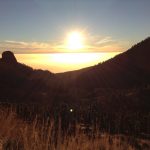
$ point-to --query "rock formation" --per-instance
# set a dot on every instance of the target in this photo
(9, 57)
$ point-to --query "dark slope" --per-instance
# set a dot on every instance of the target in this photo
(121, 84)
(114, 94)
(129, 69)
(20, 83)
(121, 79)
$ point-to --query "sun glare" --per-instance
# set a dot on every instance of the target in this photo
(61, 62)
(75, 41)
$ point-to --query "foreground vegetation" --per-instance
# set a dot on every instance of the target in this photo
(17, 134)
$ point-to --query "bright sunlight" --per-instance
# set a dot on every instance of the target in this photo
(61, 62)
(75, 41)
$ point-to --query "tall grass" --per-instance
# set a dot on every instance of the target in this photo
(16, 134)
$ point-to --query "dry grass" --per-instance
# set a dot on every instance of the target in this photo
(18, 135)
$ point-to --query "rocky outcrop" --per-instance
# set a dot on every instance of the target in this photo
(8, 57)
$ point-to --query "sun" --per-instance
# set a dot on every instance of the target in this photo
(75, 41)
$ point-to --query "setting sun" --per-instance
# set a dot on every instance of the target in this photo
(75, 41)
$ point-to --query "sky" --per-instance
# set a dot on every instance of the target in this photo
(64, 35)
(41, 26)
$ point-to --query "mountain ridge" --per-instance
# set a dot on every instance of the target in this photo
(125, 63)
(128, 70)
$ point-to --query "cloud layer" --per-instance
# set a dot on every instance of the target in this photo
(92, 44)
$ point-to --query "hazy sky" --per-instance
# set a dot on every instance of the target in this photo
(28, 26)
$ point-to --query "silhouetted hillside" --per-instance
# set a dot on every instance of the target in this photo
(129, 69)
(122, 82)
(20, 83)
(119, 82)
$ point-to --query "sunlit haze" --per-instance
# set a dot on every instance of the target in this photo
(61, 62)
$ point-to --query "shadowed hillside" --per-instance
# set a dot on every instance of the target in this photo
(120, 75)
(113, 95)
(20, 83)
(126, 70)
